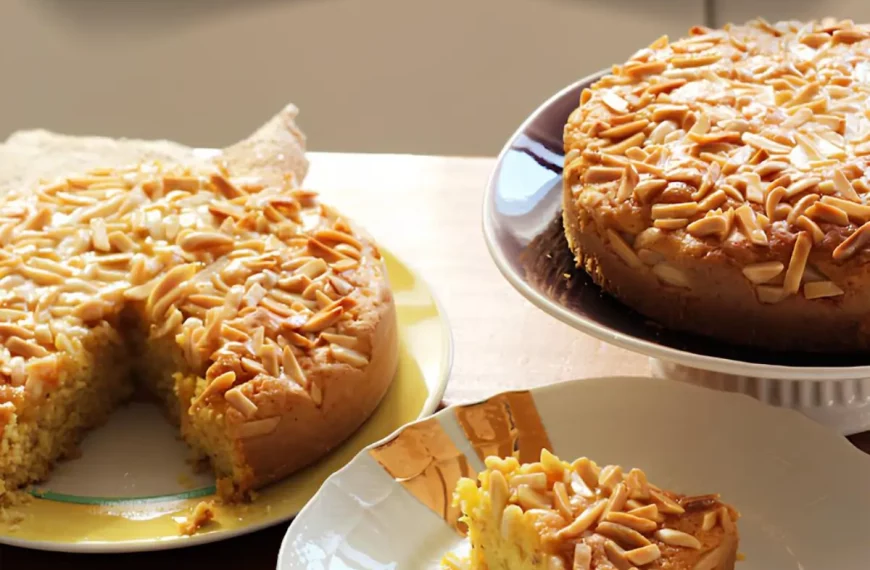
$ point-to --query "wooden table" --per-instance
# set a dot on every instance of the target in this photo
(427, 211)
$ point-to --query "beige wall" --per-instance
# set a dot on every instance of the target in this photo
(419, 76)
(742, 10)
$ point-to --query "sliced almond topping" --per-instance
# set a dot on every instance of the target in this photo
(644, 555)
(858, 212)
(673, 537)
(616, 556)
(623, 250)
(599, 174)
(348, 356)
(622, 535)
(709, 225)
(528, 498)
(240, 402)
(582, 557)
(765, 144)
(583, 522)
(810, 227)
(292, 369)
(821, 289)
(639, 524)
(853, 243)
(614, 101)
(561, 500)
(322, 320)
(797, 263)
(682, 210)
(748, 224)
(650, 512)
(763, 272)
(709, 521)
(628, 183)
(665, 504)
(258, 428)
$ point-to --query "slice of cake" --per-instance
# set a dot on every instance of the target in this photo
(555, 515)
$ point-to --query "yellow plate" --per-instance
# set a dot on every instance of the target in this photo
(151, 493)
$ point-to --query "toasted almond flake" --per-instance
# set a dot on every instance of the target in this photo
(799, 186)
(650, 512)
(238, 400)
(218, 385)
(609, 477)
(811, 227)
(673, 537)
(671, 223)
(561, 500)
(583, 522)
(709, 225)
(528, 498)
(640, 524)
(748, 224)
(821, 289)
(258, 428)
(313, 269)
(622, 535)
(644, 555)
(623, 250)
(616, 555)
(340, 339)
(765, 144)
(681, 210)
(348, 356)
(825, 212)
(665, 504)
(599, 174)
(709, 521)
(205, 241)
(292, 369)
(624, 130)
(20, 347)
(582, 557)
(614, 101)
(763, 272)
(858, 212)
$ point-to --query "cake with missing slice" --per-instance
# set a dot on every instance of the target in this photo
(261, 319)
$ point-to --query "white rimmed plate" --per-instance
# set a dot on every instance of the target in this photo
(803, 490)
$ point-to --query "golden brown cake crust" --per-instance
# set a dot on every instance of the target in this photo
(717, 184)
(273, 311)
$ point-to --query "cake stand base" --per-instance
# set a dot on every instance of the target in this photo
(843, 405)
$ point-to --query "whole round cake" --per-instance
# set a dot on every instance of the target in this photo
(718, 184)
(261, 318)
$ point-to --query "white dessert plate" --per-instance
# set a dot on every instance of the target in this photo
(802, 489)
(522, 229)
(132, 485)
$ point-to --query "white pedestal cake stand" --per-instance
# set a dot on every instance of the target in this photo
(521, 226)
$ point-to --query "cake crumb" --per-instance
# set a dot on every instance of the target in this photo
(203, 513)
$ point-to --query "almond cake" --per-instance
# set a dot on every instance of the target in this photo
(552, 515)
(718, 184)
(259, 317)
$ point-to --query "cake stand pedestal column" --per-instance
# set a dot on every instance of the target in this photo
(843, 405)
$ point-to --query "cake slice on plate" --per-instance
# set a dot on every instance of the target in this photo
(554, 515)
